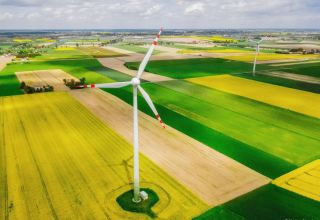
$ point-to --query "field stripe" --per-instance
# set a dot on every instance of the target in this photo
(304, 180)
(3, 168)
(295, 100)
(79, 161)
(181, 156)
(54, 214)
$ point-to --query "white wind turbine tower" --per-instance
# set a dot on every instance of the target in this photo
(256, 55)
(135, 82)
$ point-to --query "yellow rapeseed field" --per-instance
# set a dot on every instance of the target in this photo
(304, 180)
(216, 38)
(296, 100)
(65, 48)
(186, 51)
(270, 56)
(22, 40)
(58, 161)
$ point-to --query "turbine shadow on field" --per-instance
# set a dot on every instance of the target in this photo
(126, 166)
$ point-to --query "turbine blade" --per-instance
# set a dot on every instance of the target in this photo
(148, 55)
(151, 105)
(105, 85)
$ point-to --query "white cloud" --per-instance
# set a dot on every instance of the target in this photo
(156, 13)
(151, 11)
(6, 15)
(195, 8)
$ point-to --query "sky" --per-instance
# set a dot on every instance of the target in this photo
(170, 14)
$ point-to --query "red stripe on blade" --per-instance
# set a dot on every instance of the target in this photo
(155, 43)
(85, 86)
(92, 85)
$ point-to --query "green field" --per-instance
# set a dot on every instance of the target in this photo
(309, 87)
(98, 52)
(254, 116)
(311, 69)
(134, 48)
(268, 202)
(76, 53)
(270, 140)
(196, 48)
(52, 54)
(239, 117)
(189, 68)
(78, 68)
(225, 122)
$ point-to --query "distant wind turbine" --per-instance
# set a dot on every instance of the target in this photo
(256, 55)
(135, 82)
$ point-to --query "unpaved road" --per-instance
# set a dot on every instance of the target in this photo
(213, 177)
(293, 76)
(117, 64)
(4, 60)
(296, 63)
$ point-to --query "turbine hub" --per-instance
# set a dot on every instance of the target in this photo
(135, 81)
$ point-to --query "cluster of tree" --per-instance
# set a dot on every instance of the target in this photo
(166, 43)
(72, 84)
(24, 50)
(303, 51)
(282, 52)
(296, 50)
(29, 89)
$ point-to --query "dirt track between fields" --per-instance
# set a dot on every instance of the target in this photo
(4, 60)
(212, 176)
(41, 78)
(282, 61)
(296, 63)
(117, 64)
(293, 76)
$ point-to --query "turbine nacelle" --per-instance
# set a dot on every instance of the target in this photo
(135, 81)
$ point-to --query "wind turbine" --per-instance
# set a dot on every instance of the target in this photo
(135, 82)
(256, 55)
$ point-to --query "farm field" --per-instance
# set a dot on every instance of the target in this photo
(118, 65)
(180, 156)
(189, 68)
(257, 205)
(214, 38)
(304, 180)
(77, 68)
(309, 69)
(77, 169)
(240, 133)
(267, 57)
(61, 53)
(76, 53)
(236, 123)
(42, 78)
(22, 40)
(98, 52)
(216, 51)
(292, 99)
(261, 77)
(134, 48)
